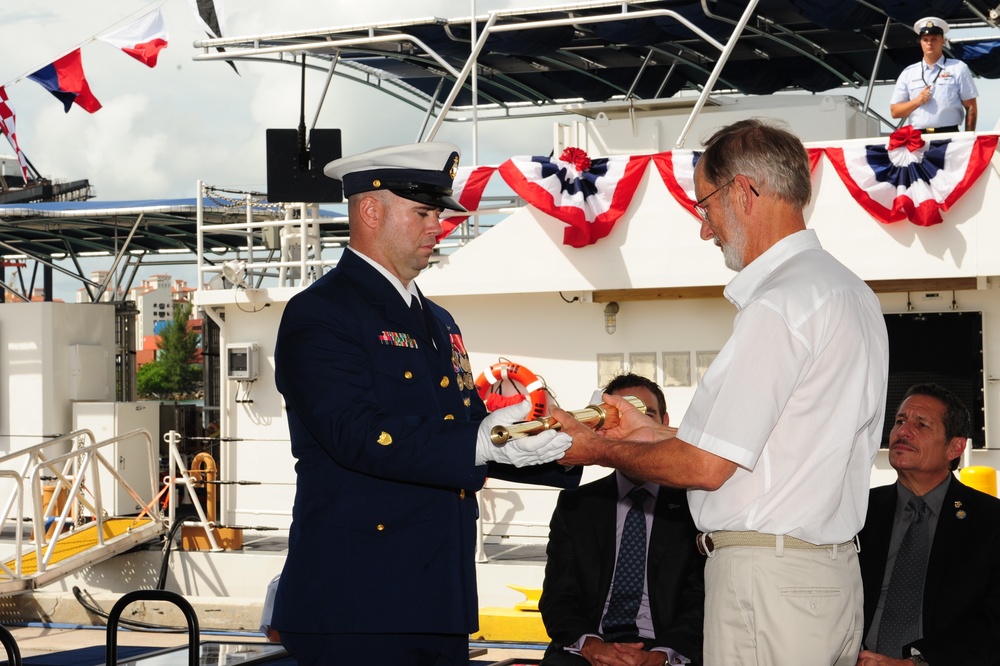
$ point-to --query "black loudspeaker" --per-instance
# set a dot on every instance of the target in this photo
(291, 177)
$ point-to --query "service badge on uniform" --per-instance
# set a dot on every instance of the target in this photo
(460, 363)
(395, 339)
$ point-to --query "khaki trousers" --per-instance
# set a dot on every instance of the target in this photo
(796, 608)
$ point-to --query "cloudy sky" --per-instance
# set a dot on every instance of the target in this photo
(161, 130)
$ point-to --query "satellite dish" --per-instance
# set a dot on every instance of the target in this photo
(235, 272)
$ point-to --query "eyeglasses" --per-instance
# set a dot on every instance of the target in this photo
(703, 210)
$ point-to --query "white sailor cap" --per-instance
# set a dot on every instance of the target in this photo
(930, 25)
(422, 172)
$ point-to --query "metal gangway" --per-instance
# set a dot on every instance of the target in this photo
(72, 529)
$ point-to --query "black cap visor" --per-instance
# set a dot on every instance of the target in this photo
(439, 197)
(430, 187)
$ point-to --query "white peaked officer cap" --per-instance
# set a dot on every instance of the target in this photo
(422, 172)
(930, 25)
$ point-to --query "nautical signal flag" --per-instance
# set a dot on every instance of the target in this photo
(210, 13)
(7, 127)
(142, 39)
(64, 78)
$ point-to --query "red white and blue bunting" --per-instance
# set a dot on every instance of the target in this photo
(908, 178)
(467, 189)
(588, 195)
(911, 178)
(676, 168)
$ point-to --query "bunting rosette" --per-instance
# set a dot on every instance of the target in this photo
(588, 194)
(911, 178)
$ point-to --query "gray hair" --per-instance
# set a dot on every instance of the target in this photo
(769, 155)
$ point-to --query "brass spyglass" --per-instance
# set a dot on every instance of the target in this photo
(594, 416)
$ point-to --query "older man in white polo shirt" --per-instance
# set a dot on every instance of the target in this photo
(777, 444)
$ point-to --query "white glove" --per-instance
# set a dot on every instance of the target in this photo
(547, 446)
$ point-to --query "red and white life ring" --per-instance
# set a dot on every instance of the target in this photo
(489, 384)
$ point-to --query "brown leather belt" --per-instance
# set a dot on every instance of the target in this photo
(709, 542)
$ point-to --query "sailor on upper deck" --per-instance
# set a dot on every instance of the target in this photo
(937, 92)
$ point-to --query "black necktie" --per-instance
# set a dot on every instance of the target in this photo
(630, 569)
(900, 623)
(418, 316)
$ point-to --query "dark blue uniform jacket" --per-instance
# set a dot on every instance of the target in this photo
(383, 427)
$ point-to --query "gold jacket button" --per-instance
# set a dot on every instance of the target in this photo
(461, 494)
(380, 527)
(445, 382)
(408, 375)
(449, 417)
(385, 439)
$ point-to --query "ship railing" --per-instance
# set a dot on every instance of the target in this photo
(294, 244)
(282, 244)
(76, 500)
(178, 474)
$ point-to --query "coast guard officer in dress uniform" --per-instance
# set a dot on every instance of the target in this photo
(937, 92)
(390, 437)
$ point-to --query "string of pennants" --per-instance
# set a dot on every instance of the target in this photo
(142, 39)
(907, 178)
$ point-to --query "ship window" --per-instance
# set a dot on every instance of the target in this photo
(943, 348)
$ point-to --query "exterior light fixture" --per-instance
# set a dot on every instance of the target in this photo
(611, 317)
(235, 272)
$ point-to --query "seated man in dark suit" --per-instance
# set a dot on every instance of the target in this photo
(929, 546)
(657, 620)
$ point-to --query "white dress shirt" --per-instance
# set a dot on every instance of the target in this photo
(795, 398)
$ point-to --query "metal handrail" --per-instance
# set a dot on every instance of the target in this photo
(177, 467)
(10, 646)
(76, 470)
(111, 646)
(259, 258)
